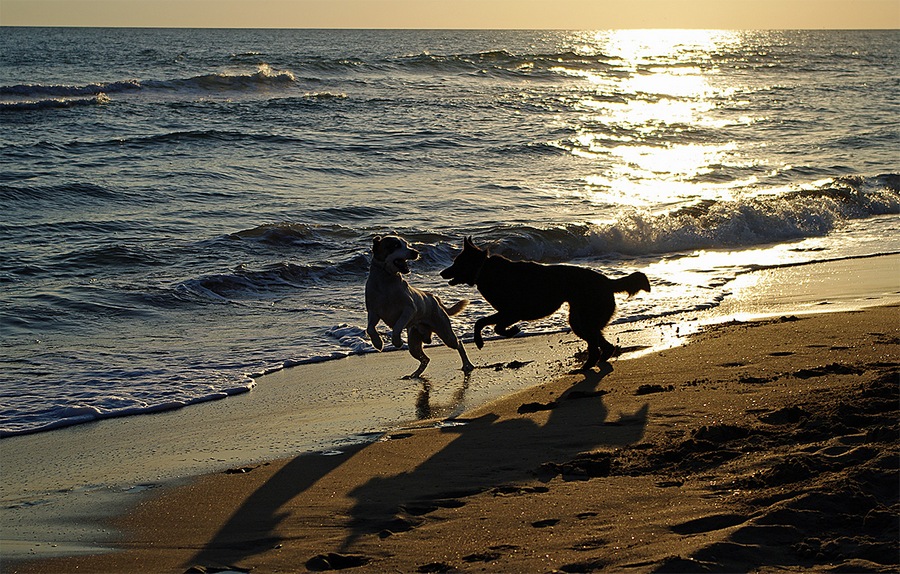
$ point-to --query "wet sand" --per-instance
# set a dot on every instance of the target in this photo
(765, 445)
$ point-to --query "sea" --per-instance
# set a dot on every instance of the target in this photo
(185, 210)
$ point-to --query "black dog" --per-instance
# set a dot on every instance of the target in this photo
(524, 290)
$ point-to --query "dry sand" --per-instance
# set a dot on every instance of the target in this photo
(766, 446)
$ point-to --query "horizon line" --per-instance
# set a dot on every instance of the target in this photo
(450, 29)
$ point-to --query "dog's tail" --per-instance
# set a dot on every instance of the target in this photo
(631, 284)
(457, 308)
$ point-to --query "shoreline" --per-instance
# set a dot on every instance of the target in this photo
(745, 305)
(188, 443)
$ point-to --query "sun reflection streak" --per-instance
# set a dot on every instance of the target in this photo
(649, 175)
(642, 114)
(642, 46)
(684, 160)
(698, 267)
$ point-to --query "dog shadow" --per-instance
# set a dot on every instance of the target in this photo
(491, 452)
(488, 452)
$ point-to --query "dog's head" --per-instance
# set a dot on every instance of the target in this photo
(467, 265)
(393, 253)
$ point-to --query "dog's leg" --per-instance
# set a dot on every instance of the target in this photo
(584, 325)
(467, 366)
(607, 348)
(397, 331)
(481, 324)
(373, 333)
(416, 350)
(599, 351)
(592, 359)
(503, 326)
(445, 331)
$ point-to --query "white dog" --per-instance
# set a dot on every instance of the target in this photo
(391, 299)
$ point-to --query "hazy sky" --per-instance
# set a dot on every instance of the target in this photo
(527, 14)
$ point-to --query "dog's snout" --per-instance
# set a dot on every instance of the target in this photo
(414, 254)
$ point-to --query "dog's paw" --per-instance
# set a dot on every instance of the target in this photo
(507, 331)
(610, 352)
(397, 342)
(375, 337)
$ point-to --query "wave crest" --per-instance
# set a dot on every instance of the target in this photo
(506, 63)
(264, 77)
(296, 234)
(244, 283)
(53, 103)
(709, 224)
(63, 91)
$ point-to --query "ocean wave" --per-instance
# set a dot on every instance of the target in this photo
(506, 63)
(332, 236)
(66, 193)
(708, 224)
(70, 305)
(211, 135)
(54, 103)
(300, 234)
(64, 91)
(333, 254)
(264, 77)
(246, 284)
(61, 416)
(116, 256)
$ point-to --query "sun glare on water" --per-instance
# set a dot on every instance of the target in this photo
(658, 85)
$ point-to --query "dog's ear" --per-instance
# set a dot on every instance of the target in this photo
(469, 245)
(375, 241)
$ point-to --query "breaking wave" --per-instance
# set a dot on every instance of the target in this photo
(708, 224)
(52, 103)
(264, 78)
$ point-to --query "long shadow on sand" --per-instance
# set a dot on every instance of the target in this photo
(487, 453)
(253, 529)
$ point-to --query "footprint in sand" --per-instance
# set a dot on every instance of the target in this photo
(482, 557)
(335, 561)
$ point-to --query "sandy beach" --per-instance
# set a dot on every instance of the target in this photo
(765, 442)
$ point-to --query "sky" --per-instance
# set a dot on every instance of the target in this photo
(462, 14)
